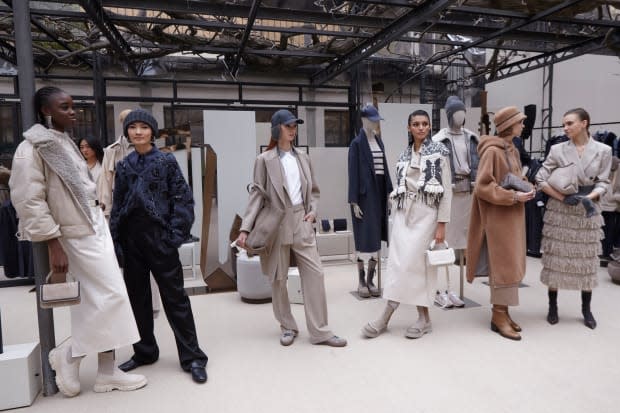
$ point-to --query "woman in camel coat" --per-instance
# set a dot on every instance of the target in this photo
(496, 239)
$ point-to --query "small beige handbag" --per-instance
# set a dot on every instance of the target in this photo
(59, 294)
(564, 179)
(439, 257)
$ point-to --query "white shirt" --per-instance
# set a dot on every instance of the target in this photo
(291, 174)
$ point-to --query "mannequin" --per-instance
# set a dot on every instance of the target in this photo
(462, 144)
(369, 186)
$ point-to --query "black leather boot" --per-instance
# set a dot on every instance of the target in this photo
(588, 318)
(552, 316)
(374, 291)
(362, 288)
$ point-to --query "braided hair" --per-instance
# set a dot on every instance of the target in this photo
(42, 98)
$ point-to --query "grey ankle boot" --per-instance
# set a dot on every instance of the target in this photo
(374, 291)
(362, 288)
(375, 328)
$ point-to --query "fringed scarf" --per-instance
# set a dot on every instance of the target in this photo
(429, 186)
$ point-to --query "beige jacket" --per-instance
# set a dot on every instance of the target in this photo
(592, 168)
(611, 201)
(269, 174)
(112, 155)
(46, 190)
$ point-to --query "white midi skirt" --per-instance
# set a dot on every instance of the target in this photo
(407, 279)
(103, 320)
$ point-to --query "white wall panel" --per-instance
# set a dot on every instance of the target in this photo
(230, 134)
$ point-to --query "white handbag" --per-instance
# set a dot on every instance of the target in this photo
(439, 257)
(59, 294)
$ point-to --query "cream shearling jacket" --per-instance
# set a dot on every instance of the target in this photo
(46, 190)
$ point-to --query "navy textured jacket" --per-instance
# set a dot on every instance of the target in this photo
(152, 184)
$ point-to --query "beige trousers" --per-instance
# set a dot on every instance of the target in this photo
(303, 244)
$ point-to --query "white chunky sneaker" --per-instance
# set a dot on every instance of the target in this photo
(110, 377)
(67, 368)
(442, 300)
(455, 300)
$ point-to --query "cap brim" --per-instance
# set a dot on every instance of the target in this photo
(375, 118)
(297, 121)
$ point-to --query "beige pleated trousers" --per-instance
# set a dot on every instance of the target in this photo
(297, 236)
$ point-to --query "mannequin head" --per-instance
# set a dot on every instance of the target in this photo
(370, 119)
(455, 112)
(370, 126)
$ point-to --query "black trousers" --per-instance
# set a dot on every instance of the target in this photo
(144, 251)
(611, 230)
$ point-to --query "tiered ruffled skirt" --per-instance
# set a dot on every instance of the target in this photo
(571, 244)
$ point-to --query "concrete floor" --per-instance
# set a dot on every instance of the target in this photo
(460, 367)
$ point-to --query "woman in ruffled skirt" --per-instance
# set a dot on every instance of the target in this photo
(572, 230)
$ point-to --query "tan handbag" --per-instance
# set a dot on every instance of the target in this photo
(59, 294)
(440, 257)
(564, 179)
(266, 225)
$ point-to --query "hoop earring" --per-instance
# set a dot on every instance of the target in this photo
(48, 121)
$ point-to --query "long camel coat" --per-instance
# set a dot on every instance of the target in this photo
(497, 216)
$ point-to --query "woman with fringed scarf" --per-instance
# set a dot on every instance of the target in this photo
(421, 209)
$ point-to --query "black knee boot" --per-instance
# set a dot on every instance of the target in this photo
(362, 288)
(588, 318)
(374, 291)
(552, 316)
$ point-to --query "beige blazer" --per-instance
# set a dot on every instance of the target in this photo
(112, 155)
(593, 168)
(269, 174)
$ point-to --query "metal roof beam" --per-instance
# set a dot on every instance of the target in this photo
(552, 10)
(557, 56)
(246, 35)
(231, 10)
(96, 12)
(393, 31)
(481, 11)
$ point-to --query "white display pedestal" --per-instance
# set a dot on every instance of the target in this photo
(295, 294)
(20, 375)
(253, 286)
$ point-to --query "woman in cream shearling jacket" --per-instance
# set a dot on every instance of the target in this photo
(55, 199)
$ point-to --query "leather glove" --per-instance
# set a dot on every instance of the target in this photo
(357, 211)
(589, 206)
(572, 199)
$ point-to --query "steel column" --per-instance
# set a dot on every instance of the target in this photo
(25, 65)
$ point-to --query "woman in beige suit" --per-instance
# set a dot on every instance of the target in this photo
(287, 177)
(572, 233)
